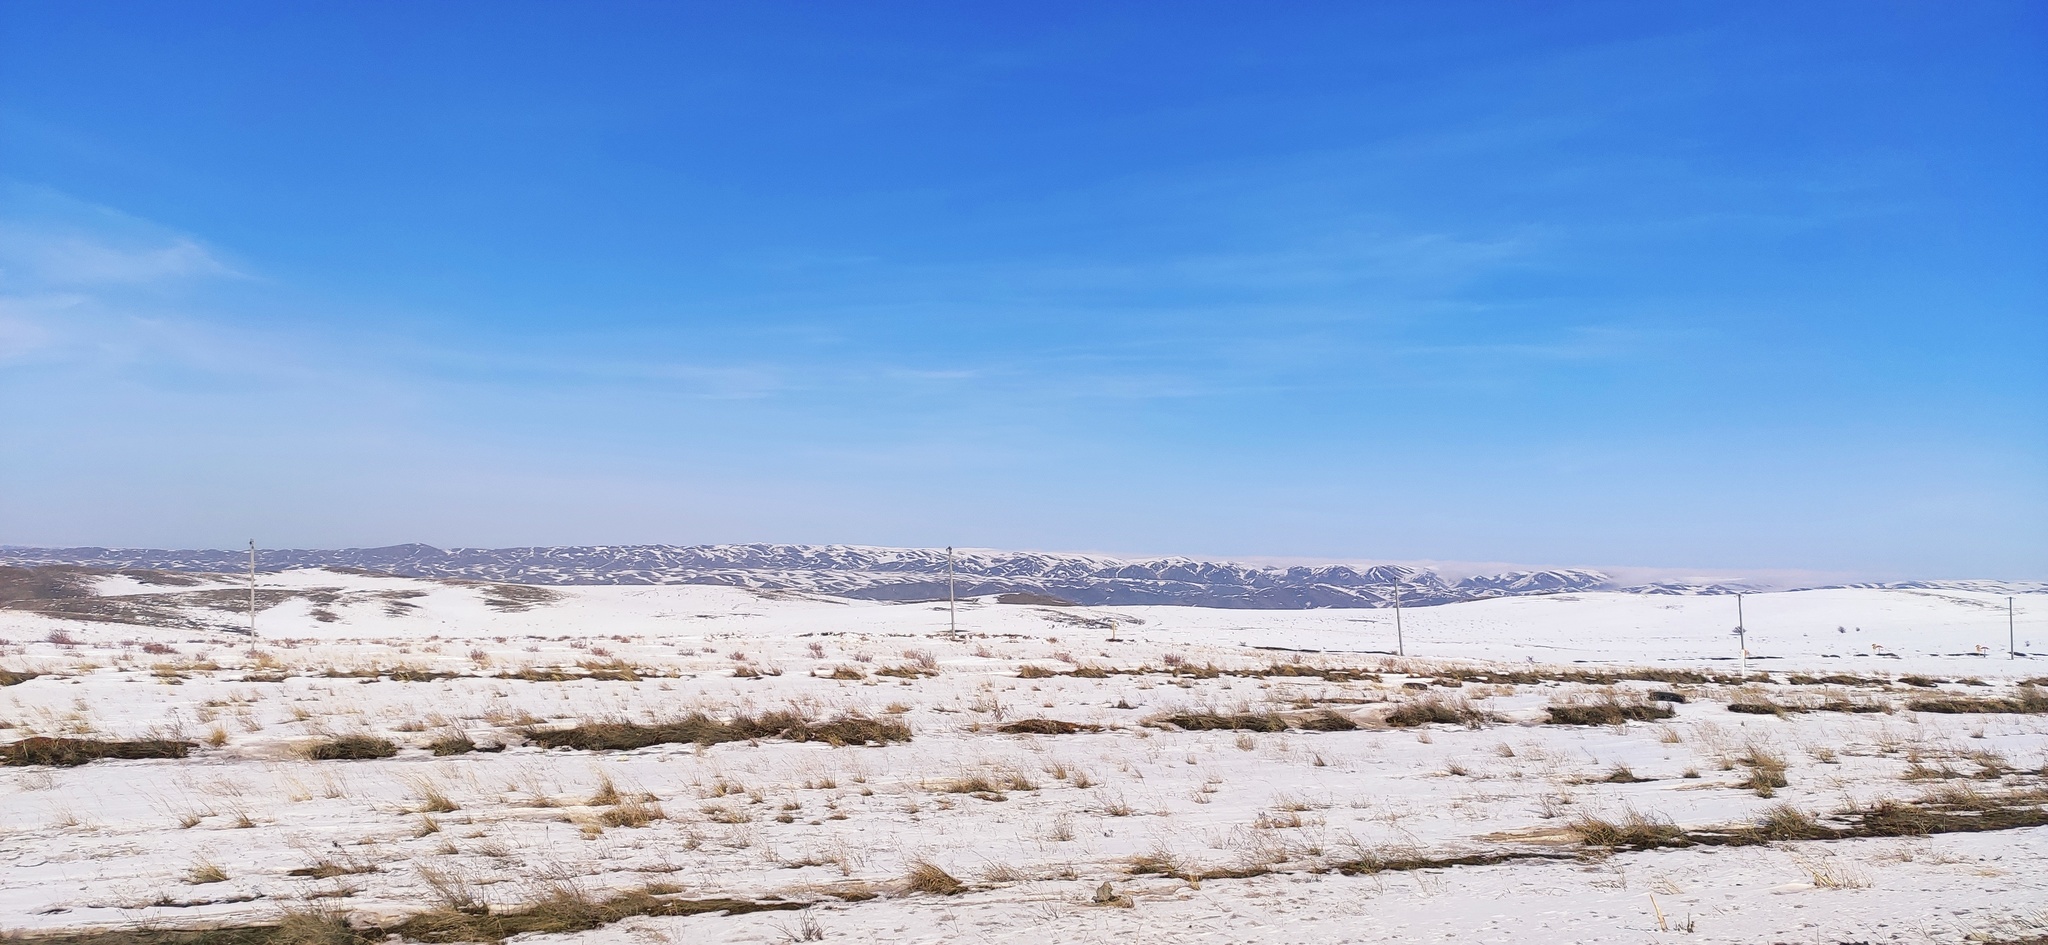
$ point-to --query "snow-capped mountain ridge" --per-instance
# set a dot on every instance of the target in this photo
(907, 573)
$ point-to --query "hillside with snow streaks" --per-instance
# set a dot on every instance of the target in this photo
(904, 574)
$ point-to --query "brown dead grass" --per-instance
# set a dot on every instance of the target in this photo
(71, 752)
(701, 729)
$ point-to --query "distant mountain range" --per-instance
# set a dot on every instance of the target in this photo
(905, 574)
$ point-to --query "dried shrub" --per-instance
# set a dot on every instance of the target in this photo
(1034, 671)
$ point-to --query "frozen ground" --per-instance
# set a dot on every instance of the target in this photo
(1221, 835)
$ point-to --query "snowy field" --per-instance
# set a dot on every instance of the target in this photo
(1222, 776)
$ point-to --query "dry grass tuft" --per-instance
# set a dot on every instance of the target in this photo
(1785, 822)
(1437, 710)
(205, 872)
(1634, 831)
(924, 876)
(1766, 771)
(633, 811)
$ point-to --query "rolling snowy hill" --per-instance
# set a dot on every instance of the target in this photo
(905, 574)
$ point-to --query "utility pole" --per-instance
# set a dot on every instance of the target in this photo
(952, 603)
(1400, 647)
(1741, 637)
(2012, 650)
(252, 587)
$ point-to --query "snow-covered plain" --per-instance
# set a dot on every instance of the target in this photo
(120, 844)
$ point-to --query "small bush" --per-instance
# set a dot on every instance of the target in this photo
(1034, 671)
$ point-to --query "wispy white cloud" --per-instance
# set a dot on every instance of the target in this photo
(58, 259)
(49, 241)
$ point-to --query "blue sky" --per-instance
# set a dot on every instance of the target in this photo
(1688, 285)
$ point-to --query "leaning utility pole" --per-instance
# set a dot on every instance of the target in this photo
(252, 587)
(952, 603)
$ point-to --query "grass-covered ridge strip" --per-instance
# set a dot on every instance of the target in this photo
(71, 752)
(351, 748)
(559, 912)
(701, 729)
(1045, 727)
(1609, 711)
(1437, 710)
(2027, 701)
(1761, 706)
(1949, 811)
